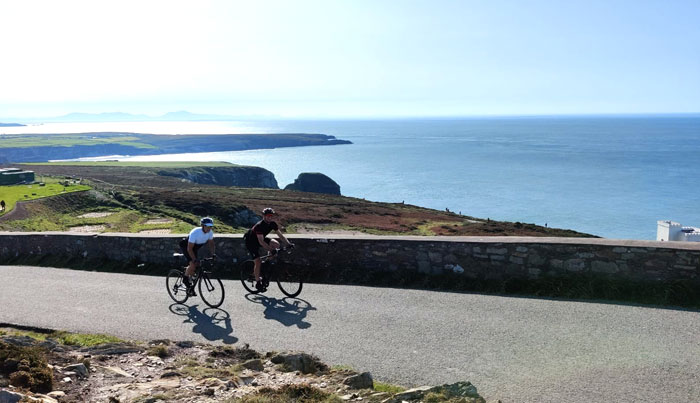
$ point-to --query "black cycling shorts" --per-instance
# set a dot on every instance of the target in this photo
(253, 246)
(183, 248)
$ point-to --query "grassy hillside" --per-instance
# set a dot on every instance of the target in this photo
(140, 190)
(12, 194)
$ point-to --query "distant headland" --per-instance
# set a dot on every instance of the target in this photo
(45, 147)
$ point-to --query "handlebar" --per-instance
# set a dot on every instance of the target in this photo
(274, 252)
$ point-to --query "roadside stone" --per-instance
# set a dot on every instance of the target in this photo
(255, 365)
(112, 349)
(575, 265)
(303, 362)
(185, 344)
(56, 394)
(411, 394)
(7, 396)
(459, 389)
(359, 381)
(80, 369)
(496, 251)
(604, 267)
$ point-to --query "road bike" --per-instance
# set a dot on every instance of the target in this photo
(273, 268)
(210, 288)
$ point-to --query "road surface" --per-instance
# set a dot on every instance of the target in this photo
(514, 349)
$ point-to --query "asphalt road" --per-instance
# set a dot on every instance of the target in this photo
(514, 349)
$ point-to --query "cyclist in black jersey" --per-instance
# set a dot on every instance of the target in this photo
(256, 238)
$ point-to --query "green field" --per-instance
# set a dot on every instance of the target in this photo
(12, 194)
(60, 140)
(145, 164)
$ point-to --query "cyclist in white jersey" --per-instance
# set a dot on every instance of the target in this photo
(197, 238)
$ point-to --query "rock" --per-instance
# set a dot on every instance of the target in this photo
(118, 371)
(359, 381)
(10, 397)
(24, 341)
(450, 391)
(411, 394)
(314, 182)
(42, 398)
(112, 349)
(255, 365)
(170, 374)
(79, 369)
(56, 394)
(459, 389)
(302, 362)
(185, 344)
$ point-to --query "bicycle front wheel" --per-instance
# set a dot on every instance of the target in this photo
(247, 277)
(211, 290)
(289, 281)
(176, 289)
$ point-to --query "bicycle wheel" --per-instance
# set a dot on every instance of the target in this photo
(289, 281)
(176, 289)
(247, 278)
(211, 290)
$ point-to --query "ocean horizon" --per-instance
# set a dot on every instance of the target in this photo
(611, 176)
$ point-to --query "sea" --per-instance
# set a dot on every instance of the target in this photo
(610, 176)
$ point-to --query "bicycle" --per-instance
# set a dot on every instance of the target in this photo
(210, 288)
(288, 280)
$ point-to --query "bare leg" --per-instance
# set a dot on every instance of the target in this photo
(256, 269)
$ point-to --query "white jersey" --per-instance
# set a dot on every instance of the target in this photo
(198, 237)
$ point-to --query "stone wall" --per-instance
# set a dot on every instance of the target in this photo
(487, 258)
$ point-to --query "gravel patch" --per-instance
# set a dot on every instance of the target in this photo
(97, 215)
(156, 221)
(155, 231)
(87, 228)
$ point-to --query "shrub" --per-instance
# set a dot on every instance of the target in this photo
(26, 367)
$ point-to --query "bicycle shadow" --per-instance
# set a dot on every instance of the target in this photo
(207, 322)
(282, 310)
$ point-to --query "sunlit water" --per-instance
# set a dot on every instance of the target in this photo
(613, 177)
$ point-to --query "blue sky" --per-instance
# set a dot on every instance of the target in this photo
(350, 58)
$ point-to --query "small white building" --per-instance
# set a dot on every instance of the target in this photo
(672, 231)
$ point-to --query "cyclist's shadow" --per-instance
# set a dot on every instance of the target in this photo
(282, 310)
(207, 322)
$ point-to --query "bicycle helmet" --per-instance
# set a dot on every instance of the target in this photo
(207, 221)
(267, 211)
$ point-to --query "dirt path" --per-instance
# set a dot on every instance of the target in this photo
(17, 213)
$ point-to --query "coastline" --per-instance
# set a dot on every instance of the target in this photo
(44, 147)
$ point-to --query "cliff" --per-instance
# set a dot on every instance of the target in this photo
(242, 176)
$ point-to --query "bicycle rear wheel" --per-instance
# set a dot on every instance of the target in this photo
(247, 278)
(289, 281)
(211, 290)
(176, 289)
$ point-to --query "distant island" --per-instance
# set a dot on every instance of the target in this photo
(81, 117)
(11, 125)
(45, 147)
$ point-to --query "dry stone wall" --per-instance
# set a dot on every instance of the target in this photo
(488, 258)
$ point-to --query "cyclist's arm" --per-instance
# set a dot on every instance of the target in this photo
(282, 237)
(212, 246)
(261, 241)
